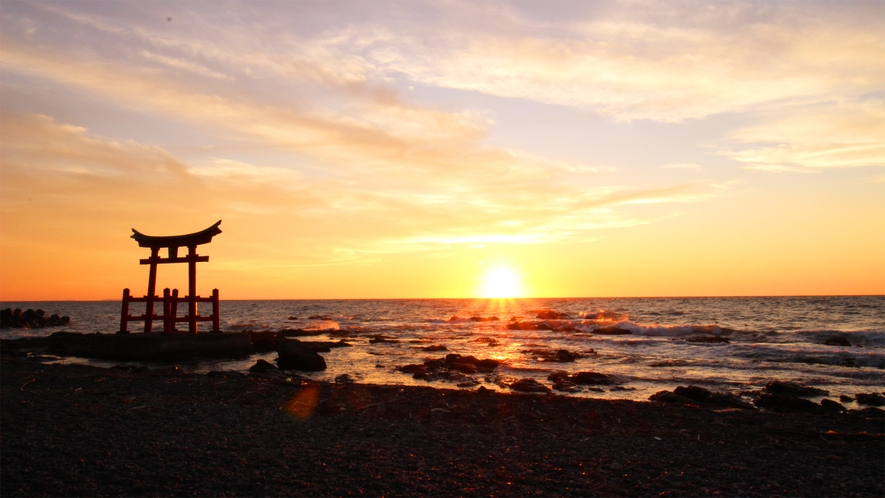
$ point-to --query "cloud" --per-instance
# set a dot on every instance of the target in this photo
(638, 68)
(691, 166)
(832, 135)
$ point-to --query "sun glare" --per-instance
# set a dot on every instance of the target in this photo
(501, 281)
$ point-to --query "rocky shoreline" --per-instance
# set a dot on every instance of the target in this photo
(75, 430)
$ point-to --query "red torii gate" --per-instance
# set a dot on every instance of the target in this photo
(170, 301)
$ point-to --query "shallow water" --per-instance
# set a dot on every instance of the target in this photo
(769, 338)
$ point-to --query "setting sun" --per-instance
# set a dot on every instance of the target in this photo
(501, 281)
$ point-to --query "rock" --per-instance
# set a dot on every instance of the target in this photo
(558, 356)
(792, 389)
(708, 339)
(551, 315)
(612, 331)
(871, 399)
(261, 366)
(435, 348)
(837, 340)
(529, 386)
(292, 318)
(525, 325)
(869, 413)
(486, 365)
(344, 379)
(831, 406)
(582, 378)
(592, 378)
(694, 393)
(484, 319)
(786, 404)
(670, 398)
(295, 356)
(382, 339)
(846, 399)
(700, 396)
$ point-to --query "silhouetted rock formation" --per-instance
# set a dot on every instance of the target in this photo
(30, 319)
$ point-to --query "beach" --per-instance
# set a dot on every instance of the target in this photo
(79, 430)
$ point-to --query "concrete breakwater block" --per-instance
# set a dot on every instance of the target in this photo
(150, 347)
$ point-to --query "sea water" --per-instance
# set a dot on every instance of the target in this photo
(768, 338)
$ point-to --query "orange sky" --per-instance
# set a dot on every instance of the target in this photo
(403, 150)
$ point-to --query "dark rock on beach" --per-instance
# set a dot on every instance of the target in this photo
(694, 395)
(295, 356)
(529, 386)
(582, 378)
(453, 367)
(781, 388)
(871, 399)
(786, 404)
(262, 366)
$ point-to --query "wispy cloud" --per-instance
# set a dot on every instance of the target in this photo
(811, 138)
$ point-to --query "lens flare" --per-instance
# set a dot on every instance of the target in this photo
(303, 403)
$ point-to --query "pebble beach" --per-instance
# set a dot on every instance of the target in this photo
(80, 430)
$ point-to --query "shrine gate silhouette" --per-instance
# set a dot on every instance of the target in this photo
(171, 299)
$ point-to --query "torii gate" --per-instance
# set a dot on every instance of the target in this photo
(170, 301)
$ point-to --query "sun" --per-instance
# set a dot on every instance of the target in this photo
(501, 281)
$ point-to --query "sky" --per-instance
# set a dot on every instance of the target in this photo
(410, 149)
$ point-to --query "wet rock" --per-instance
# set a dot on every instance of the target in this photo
(529, 386)
(526, 325)
(380, 339)
(581, 378)
(262, 366)
(435, 348)
(869, 413)
(786, 404)
(296, 356)
(780, 388)
(592, 378)
(344, 379)
(558, 356)
(670, 398)
(486, 365)
(453, 367)
(708, 339)
(846, 399)
(831, 406)
(700, 396)
(298, 333)
(871, 399)
(484, 319)
(612, 331)
(551, 315)
(292, 318)
(838, 340)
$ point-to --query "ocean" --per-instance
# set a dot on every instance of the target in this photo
(762, 339)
